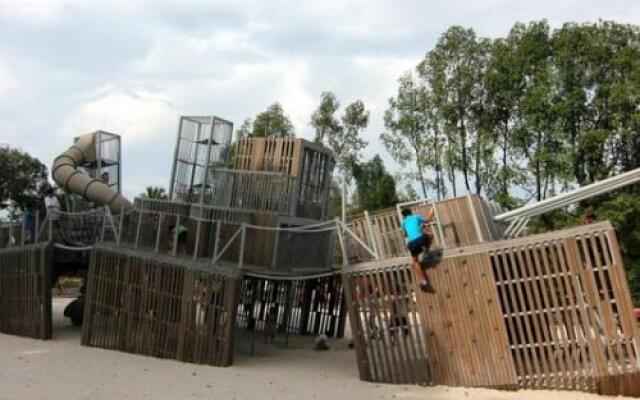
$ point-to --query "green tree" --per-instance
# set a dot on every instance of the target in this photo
(536, 137)
(376, 188)
(245, 129)
(272, 122)
(323, 118)
(23, 180)
(154, 192)
(503, 89)
(344, 136)
(405, 135)
(456, 66)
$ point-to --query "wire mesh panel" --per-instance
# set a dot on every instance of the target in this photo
(160, 306)
(106, 167)
(25, 291)
(252, 191)
(203, 144)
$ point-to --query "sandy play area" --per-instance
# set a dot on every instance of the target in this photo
(62, 369)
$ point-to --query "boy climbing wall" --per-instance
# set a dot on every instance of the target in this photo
(418, 243)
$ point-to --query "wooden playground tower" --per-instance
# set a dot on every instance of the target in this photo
(542, 311)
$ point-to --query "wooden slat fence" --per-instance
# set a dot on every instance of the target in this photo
(159, 306)
(25, 291)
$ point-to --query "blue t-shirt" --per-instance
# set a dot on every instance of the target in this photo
(412, 226)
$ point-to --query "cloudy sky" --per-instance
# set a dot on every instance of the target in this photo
(68, 67)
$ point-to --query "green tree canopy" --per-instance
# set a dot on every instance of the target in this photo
(23, 180)
(154, 192)
(376, 188)
(272, 122)
(342, 136)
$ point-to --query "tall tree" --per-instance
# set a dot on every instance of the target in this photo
(23, 180)
(343, 136)
(376, 188)
(537, 138)
(272, 122)
(245, 129)
(503, 89)
(404, 136)
(456, 64)
(323, 118)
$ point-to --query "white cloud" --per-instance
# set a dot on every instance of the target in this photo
(138, 114)
(71, 66)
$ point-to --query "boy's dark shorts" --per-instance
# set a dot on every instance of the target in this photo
(182, 237)
(417, 246)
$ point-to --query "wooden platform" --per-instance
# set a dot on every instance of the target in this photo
(547, 311)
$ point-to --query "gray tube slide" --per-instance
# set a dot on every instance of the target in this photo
(64, 171)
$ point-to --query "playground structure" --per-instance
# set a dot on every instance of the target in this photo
(262, 250)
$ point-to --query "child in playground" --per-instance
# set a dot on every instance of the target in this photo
(418, 243)
(181, 232)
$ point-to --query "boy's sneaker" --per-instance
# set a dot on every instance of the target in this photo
(427, 287)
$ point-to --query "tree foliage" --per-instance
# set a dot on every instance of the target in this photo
(271, 122)
(376, 188)
(154, 192)
(23, 180)
(526, 116)
(343, 135)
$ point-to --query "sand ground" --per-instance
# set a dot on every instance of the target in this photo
(62, 369)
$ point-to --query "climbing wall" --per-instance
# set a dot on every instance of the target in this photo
(548, 311)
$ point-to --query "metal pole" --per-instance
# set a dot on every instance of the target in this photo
(243, 236)
(50, 218)
(10, 234)
(205, 176)
(197, 245)
(342, 244)
(372, 241)
(175, 236)
(121, 225)
(344, 202)
(138, 229)
(36, 234)
(175, 159)
(216, 242)
(22, 229)
(104, 222)
(276, 241)
(159, 233)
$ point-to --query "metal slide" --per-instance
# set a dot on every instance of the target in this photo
(65, 173)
